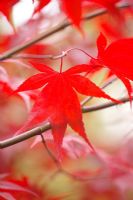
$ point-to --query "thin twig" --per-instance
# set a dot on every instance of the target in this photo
(36, 56)
(48, 33)
(24, 136)
(60, 169)
(39, 130)
(104, 105)
(57, 163)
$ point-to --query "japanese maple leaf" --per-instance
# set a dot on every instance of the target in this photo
(118, 57)
(58, 101)
(110, 4)
(11, 189)
(111, 7)
(71, 8)
(6, 7)
(41, 4)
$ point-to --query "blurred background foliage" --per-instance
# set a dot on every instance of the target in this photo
(110, 130)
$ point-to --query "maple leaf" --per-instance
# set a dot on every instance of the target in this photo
(11, 188)
(118, 57)
(6, 7)
(110, 5)
(73, 10)
(58, 101)
(41, 4)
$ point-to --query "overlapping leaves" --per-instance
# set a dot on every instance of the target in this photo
(118, 57)
(73, 9)
(6, 7)
(10, 189)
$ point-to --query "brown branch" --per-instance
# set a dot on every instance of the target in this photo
(60, 169)
(56, 29)
(103, 106)
(40, 56)
(24, 136)
(39, 130)
(51, 155)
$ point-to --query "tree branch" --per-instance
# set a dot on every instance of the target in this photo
(40, 56)
(24, 136)
(52, 31)
(39, 130)
(103, 106)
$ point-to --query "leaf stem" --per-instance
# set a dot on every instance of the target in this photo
(61, 58)
(60, 169)
(72, 49)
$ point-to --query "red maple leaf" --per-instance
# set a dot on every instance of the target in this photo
(41, 4)
(110, 4)
(58, 101)
(12, 189)
(73, 8)
(6, 7)
(118, 57)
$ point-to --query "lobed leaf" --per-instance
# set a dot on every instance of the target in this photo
(41, 4)
(79, 69)
(86, 87)
(34, 82)
(42, 68)
(58, 102)
(73, 10)
(118, 56)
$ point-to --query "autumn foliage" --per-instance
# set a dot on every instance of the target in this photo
(66, 59)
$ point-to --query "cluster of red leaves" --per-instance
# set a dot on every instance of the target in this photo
(13, 189)
(117, 57)
(73, 9)
(6, 7)
(111, 178)
(114, 176)
(117, 176)
(58, 103)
